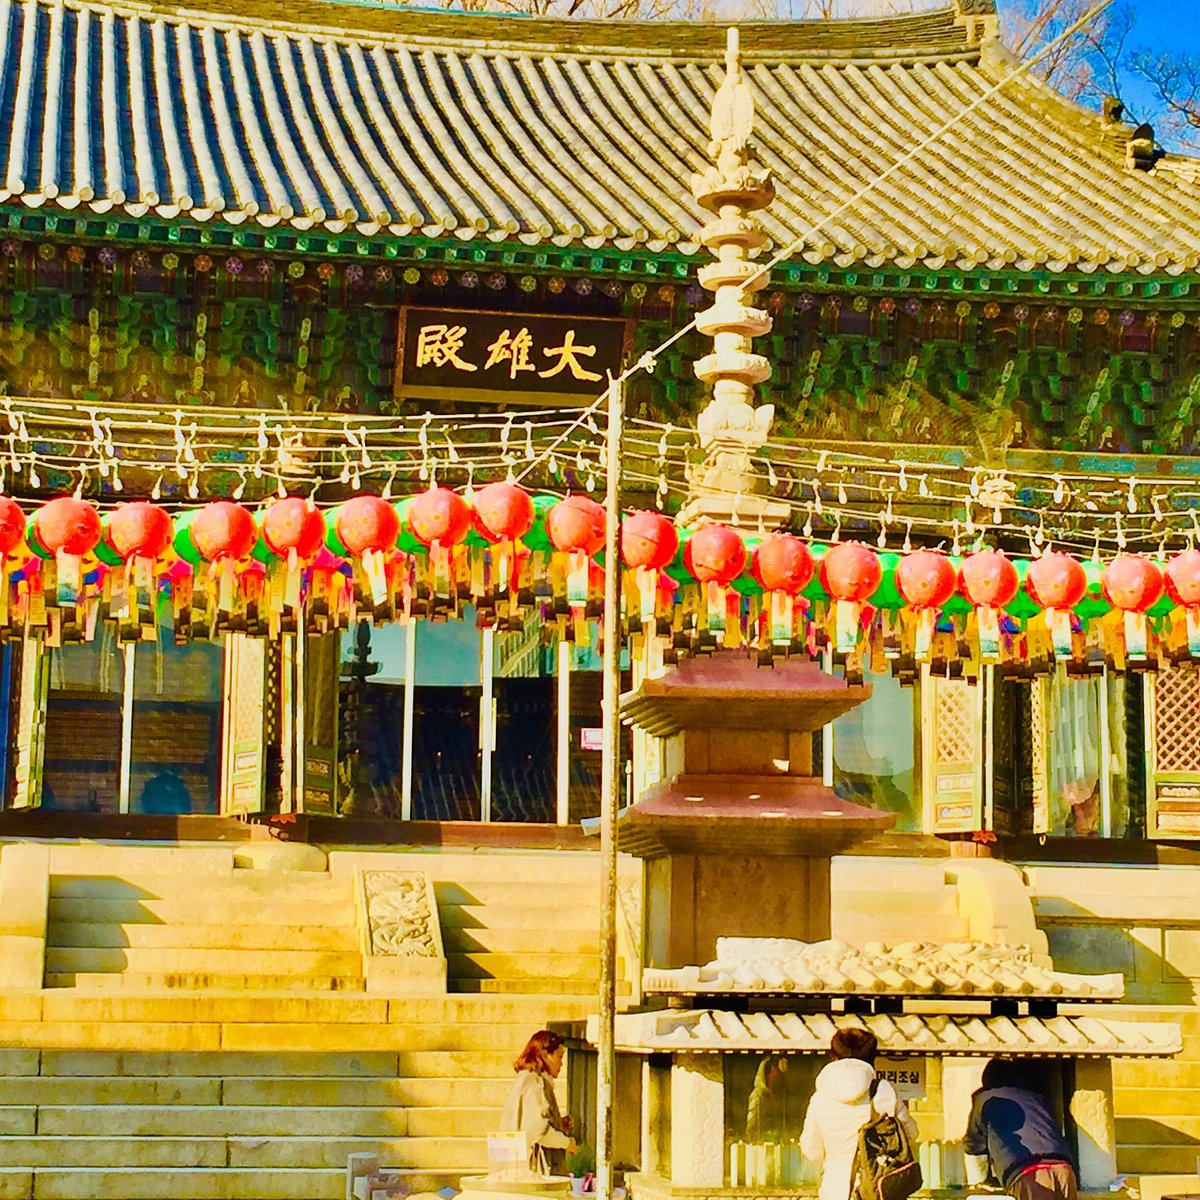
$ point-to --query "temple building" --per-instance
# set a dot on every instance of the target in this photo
(284, 796)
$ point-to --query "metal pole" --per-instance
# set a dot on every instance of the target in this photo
(610, 791)
(126, 766)
(287, 721)
(487, 719)
(562, 806)
(410, 699)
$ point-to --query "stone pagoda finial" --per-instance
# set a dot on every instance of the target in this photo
(731, 429)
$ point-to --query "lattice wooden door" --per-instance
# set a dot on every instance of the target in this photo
(1173, 753)
(243, 776)
(952, 745)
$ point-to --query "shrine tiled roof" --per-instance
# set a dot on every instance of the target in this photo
(781, 966)
(704, 1030)
(536, 131)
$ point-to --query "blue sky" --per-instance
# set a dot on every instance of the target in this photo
(1161, 25)
(1169, 23)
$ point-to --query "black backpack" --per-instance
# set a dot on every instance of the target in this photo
(884, 1165)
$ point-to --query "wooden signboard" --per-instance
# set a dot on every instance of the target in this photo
(490, 357)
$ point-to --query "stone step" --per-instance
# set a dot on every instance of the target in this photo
(943, 902)
(224, 936)
(433, 1092)
(543, 966)
(537, 867)
(230, 1120)
(25, 1093)
(1183, 1130)
(583, 989)
(1164, 1100)
(183, 1121)
(395, 1036)
(172, 1183)
(510, 893)
(520, 941)
(155, 861)
(190, 960)
(154, 911)
(392, 1036)
(274, 1064)
(72, 1004)
(248, 886)
(143, 981)
(441, 1153)
(501, 916)
(1154, 1073)
(18, 1120)
(1156, 1159)
(86, 1091)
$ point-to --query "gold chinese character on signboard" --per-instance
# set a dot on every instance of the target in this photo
(515, 349)
(441, 345)
(568, 359)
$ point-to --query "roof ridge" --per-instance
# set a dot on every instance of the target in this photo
(928, 35)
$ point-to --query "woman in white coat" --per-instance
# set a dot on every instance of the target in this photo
(532, 1107)
(841, 1105)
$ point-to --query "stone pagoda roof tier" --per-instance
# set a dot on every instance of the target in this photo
(718, 692)
(704, 1031)
(752, 814)
(571, 133)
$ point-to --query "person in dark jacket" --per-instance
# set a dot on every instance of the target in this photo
(1013, 1124)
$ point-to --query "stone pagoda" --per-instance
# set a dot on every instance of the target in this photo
(731, 429)
(736, 829)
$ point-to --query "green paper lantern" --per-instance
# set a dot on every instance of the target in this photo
(106, 554)
(408, 541)
(182, 542)
(332, 541)
(34, 542)
(537, 538)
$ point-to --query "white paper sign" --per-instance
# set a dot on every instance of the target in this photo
(507, 1150)
(906, 1075)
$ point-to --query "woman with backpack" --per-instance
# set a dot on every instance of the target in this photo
(846, 1098)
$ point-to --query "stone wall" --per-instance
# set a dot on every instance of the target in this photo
(1143, 921)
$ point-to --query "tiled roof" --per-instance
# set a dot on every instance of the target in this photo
(543, 131)
(713, 1030)
(911, 969)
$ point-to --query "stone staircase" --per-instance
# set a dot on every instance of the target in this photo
(203, 1110)
(255, 930)
(207, 1031)
(514, 922)
(1157, 1102)
(885, 900)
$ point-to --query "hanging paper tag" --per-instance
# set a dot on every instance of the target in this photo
(647, 585)
(375, 568)
(781, 618)
(1059, 622)
(577, 578)
(988, 625)
(5, 589)
(70, 578)
(1135, 635)
(714, 601)
(845, 626)
(1193, 630)
(923, 636)
(439, 562)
